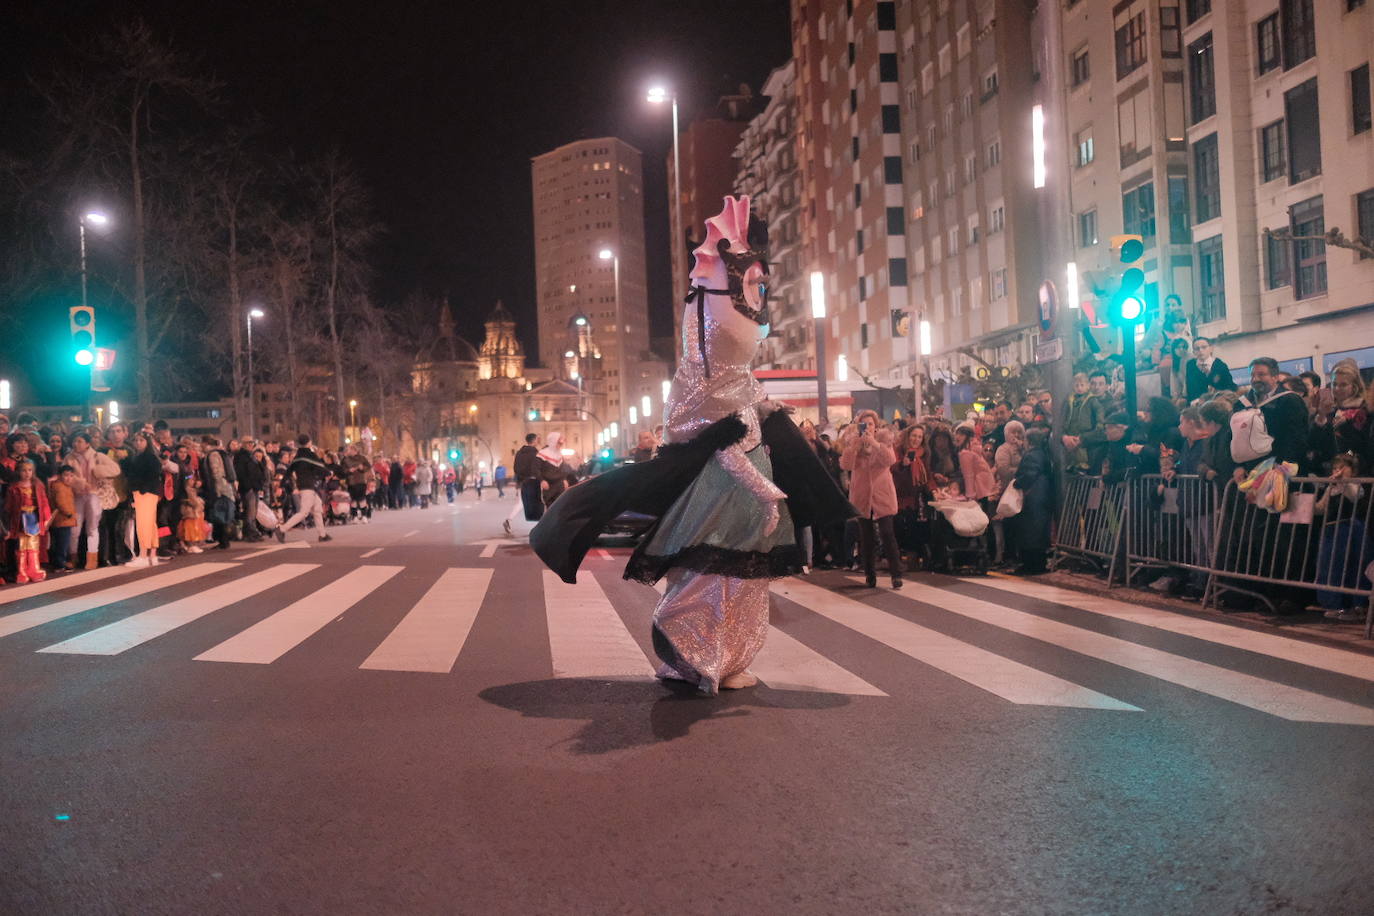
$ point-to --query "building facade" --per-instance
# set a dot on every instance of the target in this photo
(767, 162)
(852, 173)
(1279, 138)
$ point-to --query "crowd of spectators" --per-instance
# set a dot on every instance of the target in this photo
(82, 497)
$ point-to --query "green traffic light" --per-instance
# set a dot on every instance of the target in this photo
(1132, 308)
(84, 357)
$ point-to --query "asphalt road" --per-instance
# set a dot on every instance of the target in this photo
(415, 719)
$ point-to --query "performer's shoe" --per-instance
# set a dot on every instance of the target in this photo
(871, 580)
(506, 526)
(736, 681)
(281, 535)
(896, 583)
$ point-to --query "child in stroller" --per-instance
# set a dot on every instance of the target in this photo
(957, 529)
(337, 504)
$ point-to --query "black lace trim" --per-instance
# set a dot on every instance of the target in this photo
(783, 560)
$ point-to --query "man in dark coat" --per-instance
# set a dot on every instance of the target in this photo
(526, 470)
(1035, 479)
(1205, 372)
(1284, 412)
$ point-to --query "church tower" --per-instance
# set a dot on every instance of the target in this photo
(501, 355)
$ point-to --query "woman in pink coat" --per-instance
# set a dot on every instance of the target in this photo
(868, 454)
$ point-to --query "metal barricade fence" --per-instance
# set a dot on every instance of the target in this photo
(1323, 543)
(1171, 523)
(1091, 519)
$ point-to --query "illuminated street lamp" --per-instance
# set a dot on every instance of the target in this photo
(646, 407)
(353, 415)
(818, 315)
(252, 404)
(659, 94)
(607, 254)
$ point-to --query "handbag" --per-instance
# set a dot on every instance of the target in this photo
(1011, 503)
(223, 511)
(266, 517)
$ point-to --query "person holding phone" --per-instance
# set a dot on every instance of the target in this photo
(867, 454)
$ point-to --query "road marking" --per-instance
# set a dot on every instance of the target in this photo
(488, 551)
(587, 638)
(999, 676)
(264, 551)
(121, 635)
(24, 620)
(410, 533)
(785, 663)
(1312, 655)
(371, 553)
(438, 521)
(1244, 689)
(57, 583)
(603, 554)
(271, 638)
(432, 634)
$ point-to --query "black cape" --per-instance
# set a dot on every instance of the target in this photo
(572, 524)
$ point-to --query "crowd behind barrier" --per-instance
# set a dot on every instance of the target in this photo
(1313, 544)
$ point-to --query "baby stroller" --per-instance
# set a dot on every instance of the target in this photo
(957, 545)
(338, 507)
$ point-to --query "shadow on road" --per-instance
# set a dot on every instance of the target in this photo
(625, 714)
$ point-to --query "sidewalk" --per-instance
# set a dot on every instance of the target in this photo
(1309, 626)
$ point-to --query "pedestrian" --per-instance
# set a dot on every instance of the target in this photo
(1344, 550)
(145, 485)
(396, 482)
(868, 455)
(1206, 373)
(912, 482)
(1035, 479)
(308, 472)
(499, 476)
(1341, 420)
(424, 482)
(27, 517)
(91, 467)
(357, 475)
(554, 469)
(527, 479)
(644, 448)
(1159, 432)
(219, 491)
(116, 502)
(408, 469)
(62, 501)
(1082, 423)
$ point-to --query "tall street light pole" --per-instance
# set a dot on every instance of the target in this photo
(353, 417)
(822, 382)
(607, 254)
(252, 403)
(98, 220)
(657, 95)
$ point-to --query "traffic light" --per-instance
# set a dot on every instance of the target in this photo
(455, 455)
(607, 454)
(82, 321)
(534, 414)
(1128, 302)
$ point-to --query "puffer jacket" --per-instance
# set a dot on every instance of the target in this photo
(871, 489)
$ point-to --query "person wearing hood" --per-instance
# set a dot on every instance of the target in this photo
(1160, 418)
(868, 456)
(554, 469)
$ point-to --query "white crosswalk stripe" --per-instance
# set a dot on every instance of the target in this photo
(59, 582)
(122, 635)
(24, 620)
(430, 637)
(986, 670)
(269, 639)
(587, 638)
(1244, 689)
(1293, 650)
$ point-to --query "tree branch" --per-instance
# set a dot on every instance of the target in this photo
(1333, 237)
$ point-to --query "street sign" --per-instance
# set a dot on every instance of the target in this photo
(1048, 351)
(1049, 305)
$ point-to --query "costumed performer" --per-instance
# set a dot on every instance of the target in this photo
(725, 511)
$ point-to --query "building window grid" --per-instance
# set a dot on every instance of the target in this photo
(1138, 211)
(1087, 229)
(1197, 9)
(1083, 141)
(1299, 32)
(1364, 218)
(1309, 254)
(1202, 90)
(1268, 50)
(1207, 178)
(1360, 119)
(1130, 46)
(1079, 69)
(1277, 267)
(1211, 280)
(1170, 34)
(1272, 164)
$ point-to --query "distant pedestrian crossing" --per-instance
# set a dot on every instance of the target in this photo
(845, 641)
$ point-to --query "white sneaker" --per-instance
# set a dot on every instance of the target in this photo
(194, 549)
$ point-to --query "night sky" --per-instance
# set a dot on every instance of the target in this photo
(442, 104)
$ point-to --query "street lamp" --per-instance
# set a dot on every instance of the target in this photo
(658, 95)
(252, 404)
(4, 394)
(353, 415)
(87, 358)
(818, 314)
(646, 407)
(607, 254)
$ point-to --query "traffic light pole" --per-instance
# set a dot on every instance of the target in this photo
(1128, 370)
(90, 374)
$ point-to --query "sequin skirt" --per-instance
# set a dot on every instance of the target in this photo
(716, 526)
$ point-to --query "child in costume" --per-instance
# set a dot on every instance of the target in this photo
(62, 499)
(193, 529)
(27, 518)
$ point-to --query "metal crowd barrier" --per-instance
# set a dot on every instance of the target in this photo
(1323, 542)
(1171, 523)
(1091, 517)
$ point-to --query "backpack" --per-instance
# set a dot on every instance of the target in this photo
(1250, 438)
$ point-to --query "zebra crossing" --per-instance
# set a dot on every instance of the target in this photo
(596, 631)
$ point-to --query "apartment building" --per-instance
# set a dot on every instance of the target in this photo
(1279, 136)
(767, 164)
(850, 150)
(589, 198)
(972, 230)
